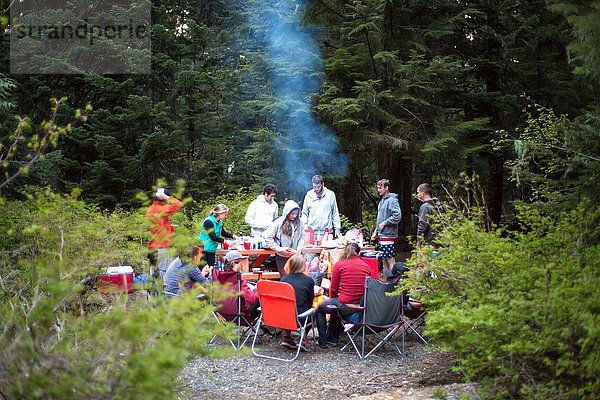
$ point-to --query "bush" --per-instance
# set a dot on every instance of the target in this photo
(61, 340)
(64, 228)
(520, 307)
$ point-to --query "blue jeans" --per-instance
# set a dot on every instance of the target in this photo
(330, 333)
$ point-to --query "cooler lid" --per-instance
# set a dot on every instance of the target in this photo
(122, 269)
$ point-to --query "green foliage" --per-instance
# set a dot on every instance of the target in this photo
(64, 228)
(21, 150)
(202, 115)
(59, 338)
(133, 350)
(439, 393)
(556, 160)
(584, 49)
(520, 307)
(7, 103)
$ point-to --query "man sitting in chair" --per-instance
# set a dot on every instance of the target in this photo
(397, 273)
(347, 287)
(229, 276)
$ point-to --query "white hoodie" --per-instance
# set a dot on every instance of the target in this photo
(260, 214)
(275, 238)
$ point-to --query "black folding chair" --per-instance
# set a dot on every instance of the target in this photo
(381, 320)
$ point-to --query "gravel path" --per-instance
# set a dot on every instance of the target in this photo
(329, 373)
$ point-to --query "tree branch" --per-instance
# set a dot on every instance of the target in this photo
(50, 134)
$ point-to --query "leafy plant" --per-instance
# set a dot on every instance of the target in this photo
(556, 160)
(520, 307)
(27, 145)
(59, 338)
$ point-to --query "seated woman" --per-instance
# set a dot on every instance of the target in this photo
(347, 287)
(303, 286)
(229, 276)
(286, 235)
(180, 275)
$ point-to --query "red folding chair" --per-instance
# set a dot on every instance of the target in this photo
(414, 320)
(243, 323)
(278, 305)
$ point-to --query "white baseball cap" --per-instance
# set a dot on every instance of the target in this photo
(234, 255)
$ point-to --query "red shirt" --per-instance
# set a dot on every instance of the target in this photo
(160, 226)
(348, 280)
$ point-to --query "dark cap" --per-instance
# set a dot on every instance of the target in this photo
(397, 270)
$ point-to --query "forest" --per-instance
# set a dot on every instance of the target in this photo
(494, 103)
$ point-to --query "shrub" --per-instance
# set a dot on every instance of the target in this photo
(520, 307)
(61, 340)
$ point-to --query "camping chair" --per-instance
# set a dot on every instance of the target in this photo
(380, 322)
(413, 320)
(244, 325)
(278, 304)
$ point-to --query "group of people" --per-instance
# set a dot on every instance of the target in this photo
(285, 235)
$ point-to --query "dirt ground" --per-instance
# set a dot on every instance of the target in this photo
(422, 373)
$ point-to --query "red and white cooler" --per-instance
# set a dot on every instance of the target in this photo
(372, 258)
(116, 280)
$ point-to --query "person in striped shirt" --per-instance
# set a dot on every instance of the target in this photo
(183, 276)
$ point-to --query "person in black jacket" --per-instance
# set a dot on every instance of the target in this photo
(304, 287)
(431, 206)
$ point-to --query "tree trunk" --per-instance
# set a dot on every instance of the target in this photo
(350, 201)
(496, 188)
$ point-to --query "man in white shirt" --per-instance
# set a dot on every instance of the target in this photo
(320, 210)
(262, 211)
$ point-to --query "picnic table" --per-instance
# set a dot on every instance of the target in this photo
(255, 276)
(263, 254)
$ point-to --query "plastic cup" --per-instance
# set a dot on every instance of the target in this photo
(225, 245)
(247, 245)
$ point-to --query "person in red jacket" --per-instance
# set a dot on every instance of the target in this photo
(230, 275)
(161, 231)
(347, 287)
